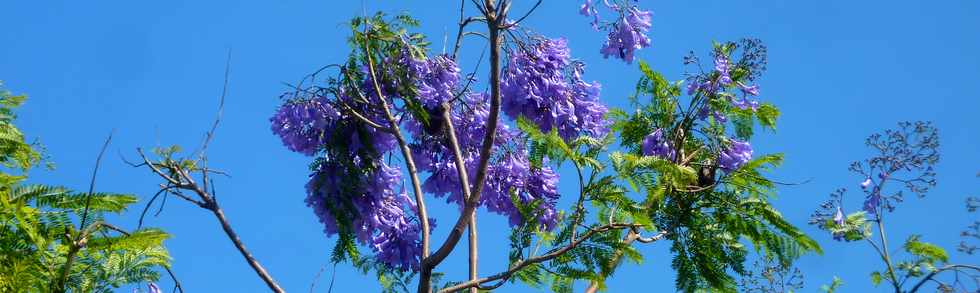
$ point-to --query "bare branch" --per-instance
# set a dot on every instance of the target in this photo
(505, 275)
(91, 186)
(453, 144)
(940, 270)
(519, 20)
(178, 177)
(177, 286)
(76, 242)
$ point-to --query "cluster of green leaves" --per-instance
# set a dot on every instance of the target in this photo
(924, 259)
(835, 284)
(855, 227)
(379, 40)
(595, 257)
(44, 247)
(710, 216)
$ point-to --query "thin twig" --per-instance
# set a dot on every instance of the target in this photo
(406, 152)
(95, 172)
(317, 278)
(75, 243)
(493, 16)
(177, 286)
(505, 275)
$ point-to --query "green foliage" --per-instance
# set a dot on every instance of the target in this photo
(17, 153)
(833, 286)
(709, 217)
(854, 228)
(925, 257)
(43, 248)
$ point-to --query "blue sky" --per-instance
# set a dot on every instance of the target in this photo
(152, 71)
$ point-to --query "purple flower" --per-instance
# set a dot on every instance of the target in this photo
(871, 203)
(301, 124)
(153, 288)
(723, 66)
(839, 217)
(655, 144)
(628, 34)
(382, 213)
(436, 79)
(866, 183)
(735, 155)
(514, 175)
(718, 115)
(839, 221)
(744, 103)
(752, 90)
(544, 86)
(587, 9)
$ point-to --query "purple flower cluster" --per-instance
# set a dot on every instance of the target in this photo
(588, 9)
(719, 80)
(507, 174)
(735, 155)
(381, 216)
(436, 78)
(543, 85)
(301, 124)
(839, 221)
(513, 174)
(627, 34)
(873, 200)
(655, 144)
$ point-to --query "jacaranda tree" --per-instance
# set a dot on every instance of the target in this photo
(676, 168)
(902, 163)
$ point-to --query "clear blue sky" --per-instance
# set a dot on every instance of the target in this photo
(839, 70)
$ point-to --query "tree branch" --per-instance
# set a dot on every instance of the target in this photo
(493, 16)
(934, 273)
(505, 275)
(178, 178)
(75, 243)
(406, 152)
(453, 144)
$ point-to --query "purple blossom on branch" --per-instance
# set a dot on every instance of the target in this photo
(381, 216)
(735, 155)
(509, 174)
(624, 36)
(542, 84)
(906, 157)
(628, 34)
(301, 124)
(656, 144)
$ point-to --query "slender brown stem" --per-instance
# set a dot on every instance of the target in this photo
(934, 273)
(630, 237)
(453, 144)
(474, 251)
(493, 17)
(406, 152)
(269, 281)
(177, 286)
(76, 242)
(503, 276)
(59, 285)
